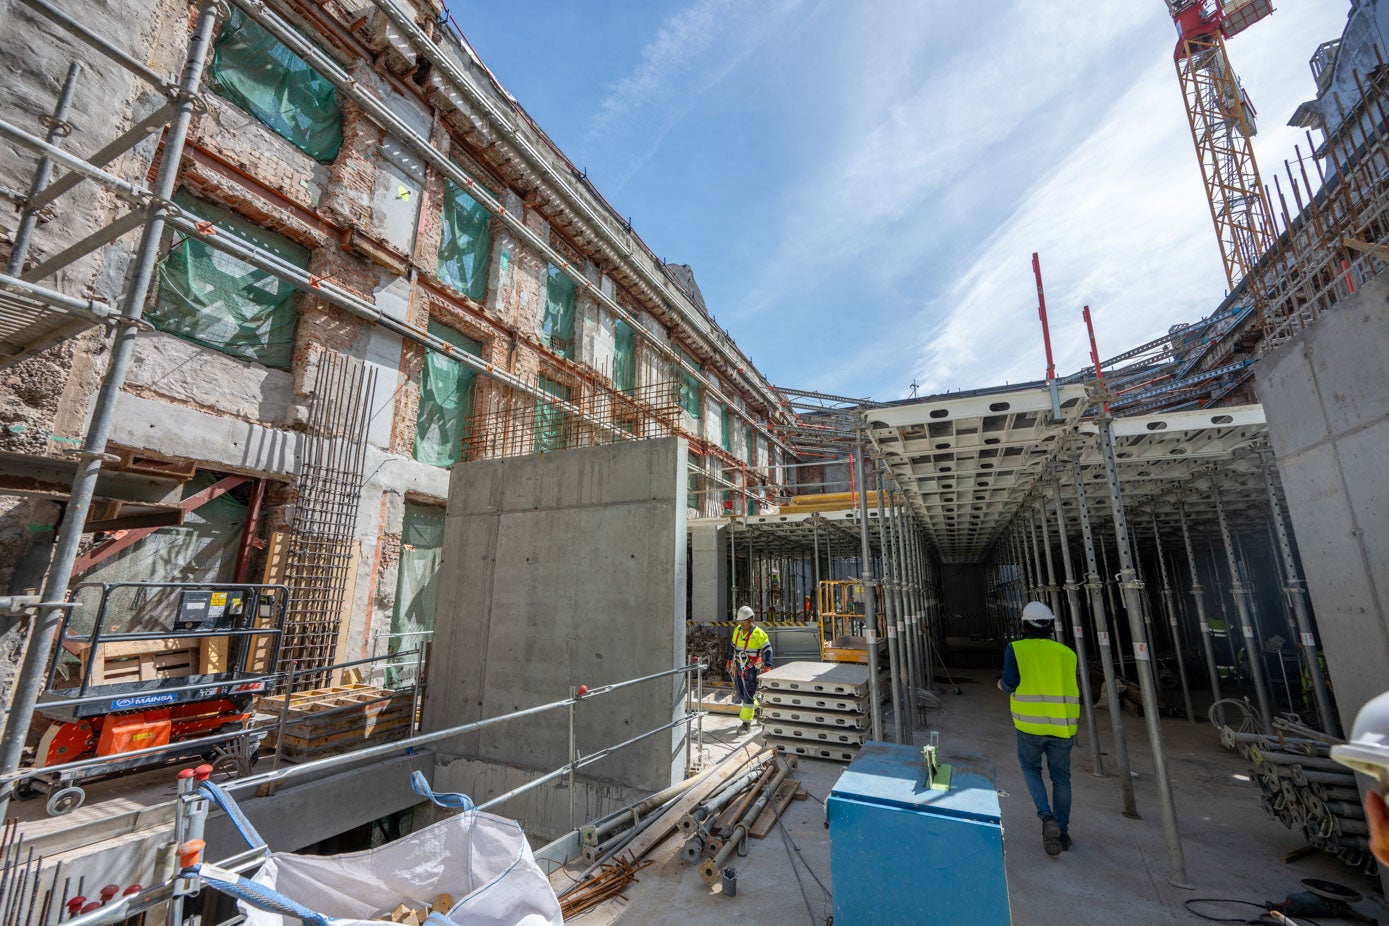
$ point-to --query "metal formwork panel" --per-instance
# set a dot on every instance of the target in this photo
(832, 751)
(822, 718)
(829, 678)
(814, 734)
(813, 701)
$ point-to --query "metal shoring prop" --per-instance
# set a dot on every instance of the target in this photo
(44, 627)
(1092, 585)
(1113, 605)
(894, 647)
(1053, 592)
(904, 654)
(58, 128)
(1198, 593)
(870, 609)
(1078, 631)
(1035, 591)
(928, 612)
(1129, 586)
(1297, 593)
(1171, 610)
(919, 619)
(1251, 648)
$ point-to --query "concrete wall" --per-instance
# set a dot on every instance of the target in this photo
(1324, 394)
(709, 570)
(563, 569)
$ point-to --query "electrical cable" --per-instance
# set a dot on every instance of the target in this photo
(1261, 918)
(790, 844)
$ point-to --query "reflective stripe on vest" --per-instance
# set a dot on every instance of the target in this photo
(1047, 702)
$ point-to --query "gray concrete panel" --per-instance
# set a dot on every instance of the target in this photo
(563, 569)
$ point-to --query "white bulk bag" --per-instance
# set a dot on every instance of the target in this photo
(481, 859)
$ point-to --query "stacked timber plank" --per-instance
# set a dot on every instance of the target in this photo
(327, 721)
(815, 709)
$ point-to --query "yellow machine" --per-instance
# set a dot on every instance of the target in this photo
(842, 621)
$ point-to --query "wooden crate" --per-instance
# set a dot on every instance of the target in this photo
(328, 721)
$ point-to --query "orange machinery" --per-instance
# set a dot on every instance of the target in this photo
(156, 665)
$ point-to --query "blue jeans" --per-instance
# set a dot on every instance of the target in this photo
(1057, 749)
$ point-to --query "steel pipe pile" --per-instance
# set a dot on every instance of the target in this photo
(1307, 791)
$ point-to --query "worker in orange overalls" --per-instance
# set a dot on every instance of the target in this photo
(748, 657)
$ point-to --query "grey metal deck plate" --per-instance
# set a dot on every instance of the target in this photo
(814, 701)
(814, 734)
(832, 678)
(830, 751)
(822, 718)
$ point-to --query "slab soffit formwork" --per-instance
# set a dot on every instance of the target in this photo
(833, 533)
(970, 465)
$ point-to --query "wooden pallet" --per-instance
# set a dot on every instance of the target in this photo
(327, 721)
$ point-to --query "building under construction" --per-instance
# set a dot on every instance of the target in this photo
(347, 429)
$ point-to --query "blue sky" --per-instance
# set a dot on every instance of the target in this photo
(860, 186)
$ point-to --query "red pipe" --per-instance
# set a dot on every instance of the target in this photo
(1094, 351)
(1042, 314)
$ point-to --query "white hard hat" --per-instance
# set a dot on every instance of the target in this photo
(1037, 614)
(745, 613)
(1368, 749)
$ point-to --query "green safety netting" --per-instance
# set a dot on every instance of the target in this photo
(219, 301)
(421, 554)
(558, 327)
(550, 420)
(446, 401)
(624, 357)
(726, 429)
(466, 245)
(689, 383)
(260, 74)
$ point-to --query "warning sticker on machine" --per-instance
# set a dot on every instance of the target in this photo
(217, 606)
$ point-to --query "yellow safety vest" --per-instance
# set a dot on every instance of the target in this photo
(1047, 702)
(748, 649)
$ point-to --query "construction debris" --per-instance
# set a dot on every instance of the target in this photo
(610, 881)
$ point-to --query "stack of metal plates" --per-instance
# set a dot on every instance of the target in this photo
(815, 709)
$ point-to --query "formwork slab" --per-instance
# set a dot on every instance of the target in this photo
(814, 734)
(834, 752)
(855, 721)
(812, 701)
(832, 678)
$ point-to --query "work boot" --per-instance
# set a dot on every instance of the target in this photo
(1051, 836)
(1065, 842)
(744, 727)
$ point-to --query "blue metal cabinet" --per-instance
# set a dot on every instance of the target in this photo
(901, 853)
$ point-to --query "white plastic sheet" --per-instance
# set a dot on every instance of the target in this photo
(482, 860)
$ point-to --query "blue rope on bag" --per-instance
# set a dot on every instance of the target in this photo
(228, 805)
(257, 895)
(446, 799)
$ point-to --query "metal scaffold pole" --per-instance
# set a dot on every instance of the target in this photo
(1246, 620)
(1198, 594)
(1092, 585)
(1297, 593)
(870, 609)
(1078, 632)
(895, 654)
(1053, 593)
(1170, 608)
(1147, 684)
(43, 629)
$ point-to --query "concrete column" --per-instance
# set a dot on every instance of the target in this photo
(1142, 661)
(1297, 594)
(1092, 585)
(709, 572)
(1172, 620)
(1078, 633)
(1246, 622)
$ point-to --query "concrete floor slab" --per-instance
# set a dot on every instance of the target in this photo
(1116, 871)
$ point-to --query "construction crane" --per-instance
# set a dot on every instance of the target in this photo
(1223, 125)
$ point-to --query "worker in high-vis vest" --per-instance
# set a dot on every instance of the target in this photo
(1039, 674)
(748, 657)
